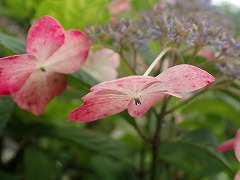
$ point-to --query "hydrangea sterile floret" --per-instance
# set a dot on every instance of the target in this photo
(234, 144)
(34, 78)
(138, 93)
(102, 64)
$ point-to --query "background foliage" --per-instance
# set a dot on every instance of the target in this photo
(49, 147)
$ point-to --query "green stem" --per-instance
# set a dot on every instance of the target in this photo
(185, 102)
(141, 172)
(156, 139)
(134, 59)
(194, 55)
(125, 59)
(159, 57)
(128, 64)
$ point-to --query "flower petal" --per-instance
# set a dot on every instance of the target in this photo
(237, 176)
(99, 106)
(38, 90)
(14, 71)
(71, 56)
(226, 146)
(44, 37)
(184, 78)
(147, 101)
(237, 145)
(102, 64)
(126, 85)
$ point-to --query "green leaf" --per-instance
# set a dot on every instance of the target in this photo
(85, 77)
(195, 153)
(94, 141)
(75, 14)
(14, 44)
(38, 166)
(202, 137)
(84, 138)
(215, 106)
(111, 170)
(7, 176)
(6, 107)
(81, 81)
(26, 9)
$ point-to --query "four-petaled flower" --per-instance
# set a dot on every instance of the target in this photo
(138, 93)
(234, 144)
(34, 78)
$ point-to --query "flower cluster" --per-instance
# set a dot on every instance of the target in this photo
(122, 33)
(173, 26)
(169, 27)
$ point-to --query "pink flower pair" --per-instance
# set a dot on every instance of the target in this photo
(138, 93)
(34, 78)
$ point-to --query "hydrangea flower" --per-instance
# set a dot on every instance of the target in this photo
(118, 7)
(138, 93)
(232, 144)
(102, 64)
(34, 78)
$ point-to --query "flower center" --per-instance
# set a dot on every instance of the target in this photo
(42, 69)
(137, 101)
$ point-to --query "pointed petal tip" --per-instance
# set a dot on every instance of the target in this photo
(237, 145)
(184, 78)
(226, 146)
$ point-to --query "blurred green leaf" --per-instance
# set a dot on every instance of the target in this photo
(215, 106)
(75, 14)
(94, 141)
(202, 137)
(195, 154)
(85, 77)
(7, 176)
(6, 107)
(111, 170)
(140, 5)
(27, 7)
(81, 81)
(89, 139)
(38, 166)
(14, 44)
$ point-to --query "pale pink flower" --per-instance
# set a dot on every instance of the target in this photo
(138, 93)
(34, 78)
(233, 143)
(118, 6)
(207, 53)
(102, 64)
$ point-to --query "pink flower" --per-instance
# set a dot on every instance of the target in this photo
(117, 7)
(207, 53)
(138, 93)
(102, 64)
(33, 79)
(237, 176)
(231, 144)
